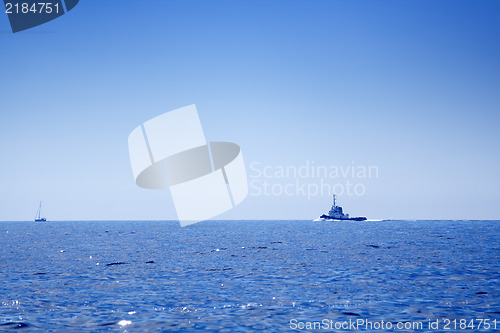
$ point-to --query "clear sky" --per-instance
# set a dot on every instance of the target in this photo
(411, 87)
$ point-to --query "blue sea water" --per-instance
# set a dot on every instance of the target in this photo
(238, 276)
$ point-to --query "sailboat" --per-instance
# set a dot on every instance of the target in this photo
(37, 216)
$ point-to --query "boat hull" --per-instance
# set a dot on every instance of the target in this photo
(329, 218)
(41, 220)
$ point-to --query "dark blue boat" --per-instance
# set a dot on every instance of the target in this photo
(337, 214)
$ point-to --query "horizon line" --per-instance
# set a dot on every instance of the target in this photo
(217, 220)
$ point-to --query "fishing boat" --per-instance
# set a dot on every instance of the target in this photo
(38, 217)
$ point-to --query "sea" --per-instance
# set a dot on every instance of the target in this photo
(245, 276)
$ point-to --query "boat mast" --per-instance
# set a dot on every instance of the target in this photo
(334, 196)
(39, 210)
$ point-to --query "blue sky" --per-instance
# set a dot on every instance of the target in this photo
(411, 87)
